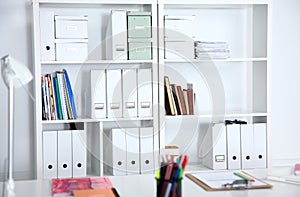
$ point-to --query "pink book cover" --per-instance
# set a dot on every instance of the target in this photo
(67, 186)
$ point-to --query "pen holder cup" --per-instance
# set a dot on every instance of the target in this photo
(169, 188)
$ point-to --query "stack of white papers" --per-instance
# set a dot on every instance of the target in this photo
(211, 50)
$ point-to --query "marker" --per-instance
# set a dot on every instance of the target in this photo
(244, 177)
(157, 174)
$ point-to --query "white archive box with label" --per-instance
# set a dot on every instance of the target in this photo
(118, 153)
(116, 35)
(79, 154)
(50, 154)
(145, 88)
(71, 26)
(64, 154)
(114, 93)
(260, 145)
(179, 28)
(247, 146)
(97, 100)
(214, 148)
(233, 146)
(71, 49)
(132, 151)
(47, 35)
(179, 50)
(129, 79)
(147, 143)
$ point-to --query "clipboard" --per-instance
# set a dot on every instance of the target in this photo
(215, 181)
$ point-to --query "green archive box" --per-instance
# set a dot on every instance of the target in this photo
(139, 49)
(139, 24)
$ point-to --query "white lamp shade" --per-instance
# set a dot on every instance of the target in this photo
(14, 70)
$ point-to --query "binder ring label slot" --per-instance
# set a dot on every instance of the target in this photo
(139, 27)
(140, 50)
(130, 105)
(72, 28)
(220, 158)
(145, 104)
(114, 106)
(120, 48)
(99, 106)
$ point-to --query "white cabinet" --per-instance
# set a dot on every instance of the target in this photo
(229, 82)
(229, 70)
(73, 35)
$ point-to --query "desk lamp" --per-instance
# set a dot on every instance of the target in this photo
(14, 74)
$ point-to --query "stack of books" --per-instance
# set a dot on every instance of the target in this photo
(57, 97)
(178, 101)
(211, 50)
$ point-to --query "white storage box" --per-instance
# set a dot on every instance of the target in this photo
(47, 35)
(179, 50)
(179, 28)
(71, 50)
(71, 27)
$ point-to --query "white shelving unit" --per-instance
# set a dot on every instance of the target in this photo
(98, 12)
(232, 88)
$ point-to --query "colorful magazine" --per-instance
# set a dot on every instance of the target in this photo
(65, 187)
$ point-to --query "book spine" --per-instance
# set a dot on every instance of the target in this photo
(44, 99)
(181, 99)
(176, 99)
(71, 95)
(52, 102)
(169, 104)
(48, 99)
(69, 110)
(190, 96)
(58, 103)
(186, 101)
(60, 78)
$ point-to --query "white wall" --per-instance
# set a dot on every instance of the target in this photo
(285, 83)
(15, 39)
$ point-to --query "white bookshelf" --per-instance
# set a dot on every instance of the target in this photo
(98, 12)
(237, 89)
(231, 88)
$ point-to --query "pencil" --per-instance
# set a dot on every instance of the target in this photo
(243, 176)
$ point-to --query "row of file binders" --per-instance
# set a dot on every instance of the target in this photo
(57, 97)
(121, 93)
(131, 150)
(235, 146)
(64, 154)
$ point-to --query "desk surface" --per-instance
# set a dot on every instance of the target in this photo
(144, 185)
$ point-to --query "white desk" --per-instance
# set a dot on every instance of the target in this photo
(144, 186)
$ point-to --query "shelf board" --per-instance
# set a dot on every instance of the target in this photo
(95, 1)
(97, 62)
(259, 59)
(206, 3)
(227, 115)
(96, 120)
